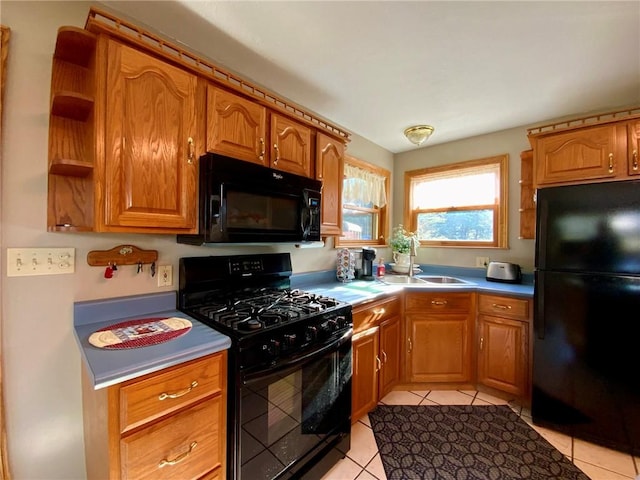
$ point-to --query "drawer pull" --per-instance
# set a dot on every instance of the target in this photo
(164, 396)
(438, 302)
(179, 458)
(379, 311)
(501, 307)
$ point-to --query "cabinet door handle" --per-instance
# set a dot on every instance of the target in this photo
(501, 307)
(438, 302)
(191, 148)
(611, 163)
(379, 311)
(410, 345)
(384, 357)
(261, 156)
(481, 342)
(379, 363)
(635, 160)
(164, 396)
(275, 147)
(179, 458)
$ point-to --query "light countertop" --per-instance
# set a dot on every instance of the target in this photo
(111, 366)
(360, 291)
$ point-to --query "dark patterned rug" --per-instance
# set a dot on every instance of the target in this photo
(464, 442)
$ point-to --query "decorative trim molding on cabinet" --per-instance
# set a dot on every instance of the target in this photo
(102, 21)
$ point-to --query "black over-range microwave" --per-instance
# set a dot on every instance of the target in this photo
(243, 202)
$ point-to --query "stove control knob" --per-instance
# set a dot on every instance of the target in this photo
(342, 321)
(311, 334)
(290, 340)
(332, 325)
(273, 348)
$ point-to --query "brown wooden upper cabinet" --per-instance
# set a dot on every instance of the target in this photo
(132, 113)
(126, 160)
(330, 170)
(240, 128)
(151, 136)
(633, 147)
(603, 152)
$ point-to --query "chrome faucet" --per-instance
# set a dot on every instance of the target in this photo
(413, 251)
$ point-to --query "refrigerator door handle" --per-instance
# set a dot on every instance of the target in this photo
(539, 322)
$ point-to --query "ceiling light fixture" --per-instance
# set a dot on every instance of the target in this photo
(418, 134)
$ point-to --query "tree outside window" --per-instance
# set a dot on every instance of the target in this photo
(459, 205)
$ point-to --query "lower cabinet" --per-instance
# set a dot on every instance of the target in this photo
(504, 357)
(376, 353)
(440, 336)
(166, 425)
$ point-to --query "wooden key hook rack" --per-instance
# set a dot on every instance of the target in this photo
(121, 255)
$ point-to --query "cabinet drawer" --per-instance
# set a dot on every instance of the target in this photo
(162, 393)
(373, 313)
(184, 446)
(504, 306)
(438, 302)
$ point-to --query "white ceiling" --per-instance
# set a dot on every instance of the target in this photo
(375, 68)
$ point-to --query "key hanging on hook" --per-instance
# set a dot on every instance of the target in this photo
(139, 267)
(108, 272)
(153, 269)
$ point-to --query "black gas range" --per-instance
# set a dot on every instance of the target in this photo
(290, 363)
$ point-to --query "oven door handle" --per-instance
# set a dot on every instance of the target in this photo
(296, 361)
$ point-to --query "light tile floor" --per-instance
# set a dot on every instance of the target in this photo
(363, 461)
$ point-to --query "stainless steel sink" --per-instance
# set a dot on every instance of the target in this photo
(441, 279)
(401, 280)
(425, 280)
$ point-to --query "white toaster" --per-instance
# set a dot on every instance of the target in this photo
(504, 272)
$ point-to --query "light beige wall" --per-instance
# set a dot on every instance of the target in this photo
(512, 142)
(41, 360)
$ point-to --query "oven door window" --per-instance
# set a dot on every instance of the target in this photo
(260, 211)
(286, 415)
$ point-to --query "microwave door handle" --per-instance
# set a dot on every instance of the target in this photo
(305, 222)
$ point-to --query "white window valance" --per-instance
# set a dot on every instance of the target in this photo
(362, 187)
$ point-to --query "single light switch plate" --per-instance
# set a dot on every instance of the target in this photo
(40, 261)
(165, 276)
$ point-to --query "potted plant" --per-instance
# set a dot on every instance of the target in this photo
(400, 248)
(401, 240)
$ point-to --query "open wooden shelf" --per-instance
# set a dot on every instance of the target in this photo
(69, 167)
(73, 105)
(75, 45)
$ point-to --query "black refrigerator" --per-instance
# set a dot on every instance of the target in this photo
(586, 346)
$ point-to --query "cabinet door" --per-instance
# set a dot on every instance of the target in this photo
(389, 354)
(633, 154)
(366, 364)
(585, 154)
(291, 146)
(330, 170)
(440, 348)
(150, 142)
(502, 354)
(236, 126)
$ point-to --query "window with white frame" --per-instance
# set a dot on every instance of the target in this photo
(460, 205)
(364, 204)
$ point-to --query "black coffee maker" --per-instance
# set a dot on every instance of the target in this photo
(368, 255)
